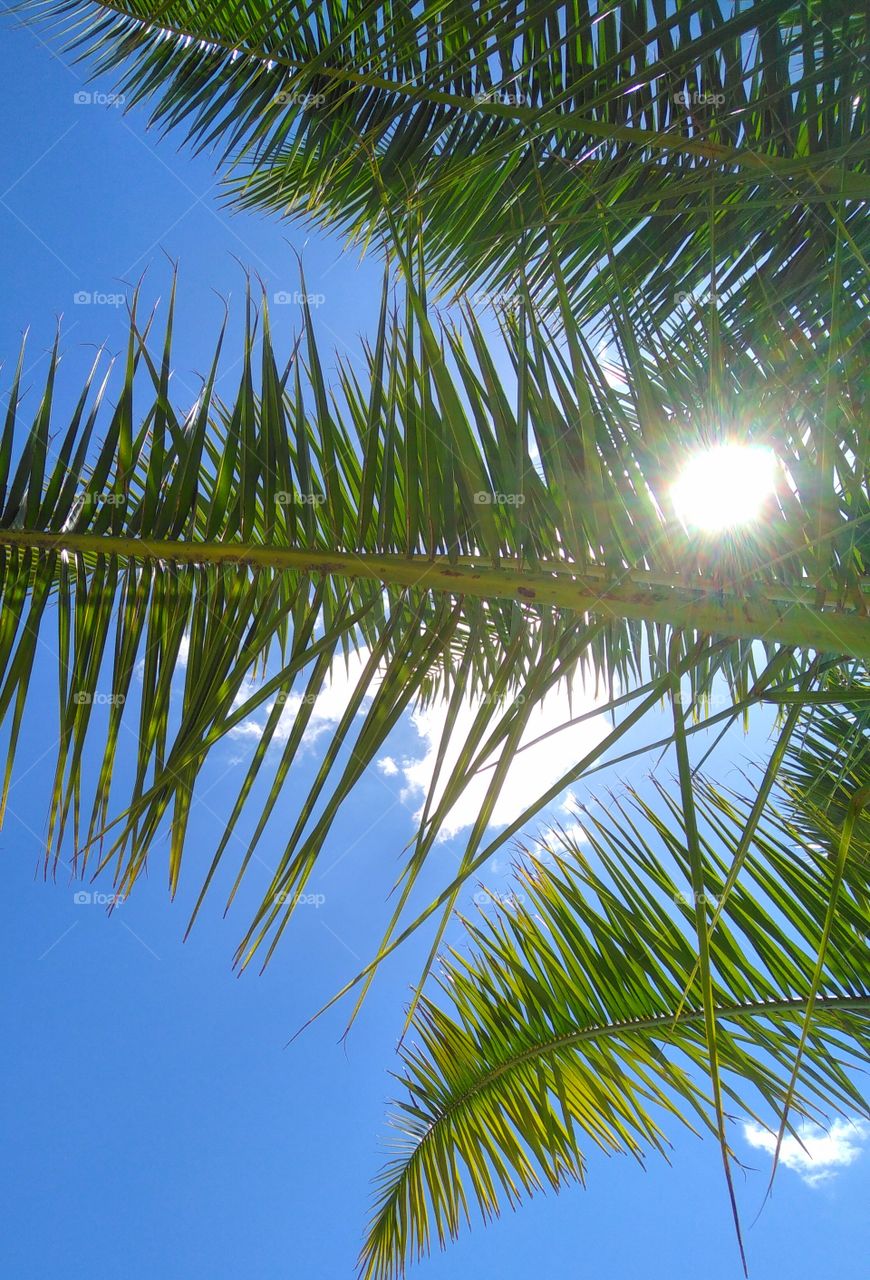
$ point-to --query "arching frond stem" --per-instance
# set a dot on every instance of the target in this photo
(802, 624)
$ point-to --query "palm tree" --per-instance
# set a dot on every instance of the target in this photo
(282, 526)
(279, 527)
(677, 193)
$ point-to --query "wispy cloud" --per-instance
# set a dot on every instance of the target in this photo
(534, 770)
(327, 709)
(180, 661)
(816, 1155)
(566, 827)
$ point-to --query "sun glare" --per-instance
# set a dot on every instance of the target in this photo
(724, 486)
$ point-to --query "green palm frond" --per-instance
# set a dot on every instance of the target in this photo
(510, 132)
(830, 766)
(404, 515)
(566, 1025)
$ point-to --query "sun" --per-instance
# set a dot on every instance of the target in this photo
(725, 486)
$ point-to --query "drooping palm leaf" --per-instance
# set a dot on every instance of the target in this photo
(825, 773)
(295, 521)
(566, 1026)
(510, 131)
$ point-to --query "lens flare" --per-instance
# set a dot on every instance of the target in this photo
(725, 486)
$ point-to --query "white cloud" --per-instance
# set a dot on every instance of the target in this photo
(823, 1153)
(329, 704)
(183, 650)
(500, 867)
(532, 772)
(180, 661)
(571, 831)
(566, 827)
(530, 775)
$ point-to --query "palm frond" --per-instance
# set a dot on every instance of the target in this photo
(830, 766)
(403, 515)
(564, 1025)
(512, 132)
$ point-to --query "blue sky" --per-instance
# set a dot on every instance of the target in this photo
(154, 1123)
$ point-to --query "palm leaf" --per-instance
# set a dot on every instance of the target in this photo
(513, 132)
(828, 769)
(563, 1025)
(295, 522)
